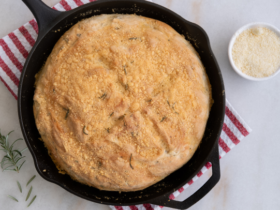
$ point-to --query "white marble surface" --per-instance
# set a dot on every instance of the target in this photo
(250, 173)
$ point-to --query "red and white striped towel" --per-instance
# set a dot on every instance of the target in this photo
(14, 49)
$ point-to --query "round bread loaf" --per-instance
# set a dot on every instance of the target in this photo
(121, 102)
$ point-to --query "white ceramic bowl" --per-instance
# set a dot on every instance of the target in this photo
(235, 35)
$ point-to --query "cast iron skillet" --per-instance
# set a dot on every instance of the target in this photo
(52, 25)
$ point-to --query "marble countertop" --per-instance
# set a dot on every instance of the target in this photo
(250, 178)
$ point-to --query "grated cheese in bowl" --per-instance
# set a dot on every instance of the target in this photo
(255, 51)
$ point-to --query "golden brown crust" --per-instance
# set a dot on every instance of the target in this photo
(121, 102)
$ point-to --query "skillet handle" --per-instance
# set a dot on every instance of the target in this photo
(44, 15)
(165, 201)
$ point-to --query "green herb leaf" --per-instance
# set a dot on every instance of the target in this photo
(21, 165)
(84, 131)
(133, 38)
(174, 108)
(23, 150)
(13, 198)
(168, 103)
(130, 161)
(19, 187)
(32, 200)
(67, 113)
(11, 147)
(111, 114)
(66, 39)
(107, 129)
(18, 152)
(103, 96)
(29, 192)
(121, 117)
(30, 180)
(163, 118)
(124, 69)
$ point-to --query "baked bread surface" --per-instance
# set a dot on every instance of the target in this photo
(121, 102)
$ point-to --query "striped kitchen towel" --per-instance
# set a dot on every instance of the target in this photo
(14, 49)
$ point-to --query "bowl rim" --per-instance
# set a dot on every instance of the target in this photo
(232, 41)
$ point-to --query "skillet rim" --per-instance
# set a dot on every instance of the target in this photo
(65, 15)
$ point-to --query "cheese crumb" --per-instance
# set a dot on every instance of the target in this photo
(257, 31)
(256, 52)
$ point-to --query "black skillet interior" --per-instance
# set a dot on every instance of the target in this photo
(47, 39)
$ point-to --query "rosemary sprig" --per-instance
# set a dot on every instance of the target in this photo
(30, 180)
(29, 192)
(13, 198)
(19, 187)
(32, 200)
(11, 161)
